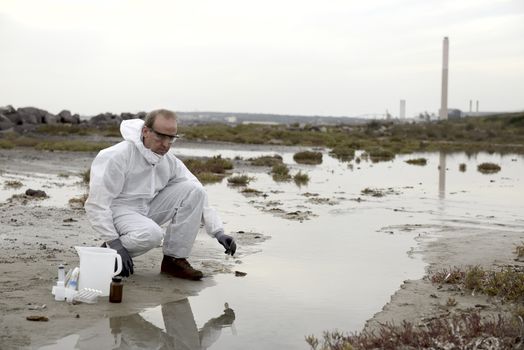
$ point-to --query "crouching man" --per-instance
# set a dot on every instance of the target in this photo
(137, 185)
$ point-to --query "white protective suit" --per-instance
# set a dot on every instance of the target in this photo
(133, 191)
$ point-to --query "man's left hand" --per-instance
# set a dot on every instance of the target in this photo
(228, 242)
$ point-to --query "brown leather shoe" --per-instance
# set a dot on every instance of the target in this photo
(180, 267)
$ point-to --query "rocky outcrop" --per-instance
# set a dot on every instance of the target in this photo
(105, 119)
(65, 116)
(5, 123)
(28, 118)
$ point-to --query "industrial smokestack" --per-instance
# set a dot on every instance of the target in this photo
(402, 109)
(477, 106)
(444, 94)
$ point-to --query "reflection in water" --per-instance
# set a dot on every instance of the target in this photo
(172, 327)
(442, 175)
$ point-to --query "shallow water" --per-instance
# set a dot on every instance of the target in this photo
(334, 269)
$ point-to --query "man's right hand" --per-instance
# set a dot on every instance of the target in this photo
(127, 262)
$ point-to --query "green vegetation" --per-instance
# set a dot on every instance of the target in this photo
(79, 129)
(209, 178)
(251, 192)
(344, 152)
(266, 160)
(239, 180)
(13, 184)
(379, 154)
(301, 178)
(209, 170)
(78, 202)
(488, 168)
(500, 133)
(308, 157)
(460, 331)
(6, 144)
(86, 176)
(381, 139)
(72, 146)
(280, 173)
(507, 284)
(417, 161)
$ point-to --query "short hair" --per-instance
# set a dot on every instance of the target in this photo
(151, 116)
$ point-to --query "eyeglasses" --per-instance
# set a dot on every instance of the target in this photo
(161, 137)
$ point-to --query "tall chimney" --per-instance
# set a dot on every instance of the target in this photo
(444, 94)
(402, 109)
(477, 106)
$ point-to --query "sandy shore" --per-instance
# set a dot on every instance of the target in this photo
(35, 239)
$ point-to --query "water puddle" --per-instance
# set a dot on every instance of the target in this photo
(334, 268)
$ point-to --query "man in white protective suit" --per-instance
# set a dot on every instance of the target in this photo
(137, 185)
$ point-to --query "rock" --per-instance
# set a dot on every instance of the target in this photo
(105, 119)
(65, 117)
(35, 193)
(126, 116)
(7, 110)
(37, 318)
(31, 115)
(5, 123)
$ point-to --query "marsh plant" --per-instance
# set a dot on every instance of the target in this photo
(86, 176)
(280, 173)
(459, 331)
(210, 170)
(266, 160)
(344, 152)
(506, 284)
(488, 168)
(417, 161)
(239, 180)
(301, 178)
(308, 157)
(13, 184)
(379, 154)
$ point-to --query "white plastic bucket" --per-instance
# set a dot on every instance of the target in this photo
(97, 268)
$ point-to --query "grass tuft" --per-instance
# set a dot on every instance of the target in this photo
(239, 180)
(280, 173)
(308, 157)
(507, 284)
(460, 331)
(266, 160)
(417, 161)
(13, 184)
(488, 168)
(301, 178)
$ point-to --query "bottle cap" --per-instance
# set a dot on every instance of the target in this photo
(117, 279)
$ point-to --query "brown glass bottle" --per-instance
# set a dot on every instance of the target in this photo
(115, 290)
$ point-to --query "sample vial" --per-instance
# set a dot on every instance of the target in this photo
(61, 273)
(115, 290)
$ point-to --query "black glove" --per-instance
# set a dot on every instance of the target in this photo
(127, 262)
(228, 242)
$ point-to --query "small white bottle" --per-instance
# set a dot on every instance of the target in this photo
(59, 289)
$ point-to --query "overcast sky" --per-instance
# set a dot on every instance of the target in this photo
(302, 57)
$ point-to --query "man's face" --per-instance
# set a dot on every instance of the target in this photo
(161, 136)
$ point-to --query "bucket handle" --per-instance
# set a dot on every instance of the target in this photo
(118, 264)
